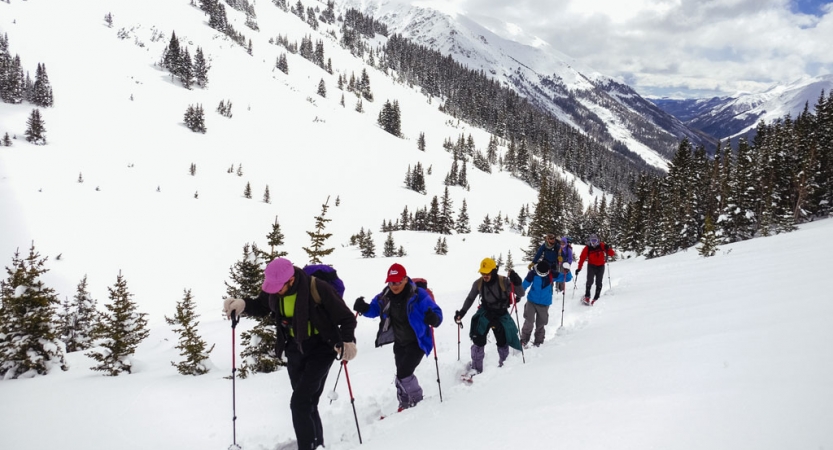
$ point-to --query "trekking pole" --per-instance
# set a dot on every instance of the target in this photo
(352, 399)
(234, 446)
(459, 327)
(575, 283)
(334, 394)
(437, 362)
(564, 296)
(609, 284)
(517, 322)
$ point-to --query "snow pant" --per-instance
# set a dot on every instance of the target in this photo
(537, 315)
(307, 374)
(479, 340)
(594, 273)
(407, 358)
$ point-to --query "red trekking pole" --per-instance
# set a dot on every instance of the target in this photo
(352, 399)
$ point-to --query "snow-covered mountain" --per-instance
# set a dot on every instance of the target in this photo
(730, 117)
(575, 93)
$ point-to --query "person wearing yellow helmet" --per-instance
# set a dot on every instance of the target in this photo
(497, 294)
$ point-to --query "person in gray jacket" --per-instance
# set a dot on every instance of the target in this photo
(497, 295)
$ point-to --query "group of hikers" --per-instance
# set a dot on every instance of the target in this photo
(316, 327)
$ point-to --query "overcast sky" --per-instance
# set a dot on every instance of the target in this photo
(677, 48)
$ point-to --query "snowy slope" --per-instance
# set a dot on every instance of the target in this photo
(680, 353)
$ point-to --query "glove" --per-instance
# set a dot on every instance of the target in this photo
(530, 266)
(346, 351)
(233, 304)
(361, 306)
(577, 271)
(431, 318)
(514, 278)
(458, 316)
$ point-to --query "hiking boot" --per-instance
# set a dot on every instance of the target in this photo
(586, 301)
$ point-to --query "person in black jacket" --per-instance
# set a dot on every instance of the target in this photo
(313, 334)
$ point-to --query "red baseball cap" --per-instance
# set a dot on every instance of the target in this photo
(396, 273)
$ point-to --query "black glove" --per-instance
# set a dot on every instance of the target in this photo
(431, 318)
(458, 316)
(514, 278)
(577, 271)
(360, 306)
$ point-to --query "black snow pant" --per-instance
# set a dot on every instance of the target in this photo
(594, 273)
(407, 358)
(308, 373)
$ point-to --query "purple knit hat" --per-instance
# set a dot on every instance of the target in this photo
(276, 274)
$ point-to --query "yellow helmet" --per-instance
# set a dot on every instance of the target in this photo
(487, 265)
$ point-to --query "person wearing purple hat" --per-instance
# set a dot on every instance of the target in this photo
(313, 335)
(406, 314)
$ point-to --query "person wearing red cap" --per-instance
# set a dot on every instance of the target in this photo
(312, 336)
(406, 312)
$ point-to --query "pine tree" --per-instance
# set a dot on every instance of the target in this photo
(7, 141)
(35, 128)
(191, 346)
(186, 69)
(266, 197)
(462, 226)
(247, 191)
(441, 248)
(486, 225)
(282, 64)
(79, 320)
(201, 68)
(122, 329)
(41, 90)
(195, 119)
(29, 335)
(710, 240)
(322, 88)
(246, 275)
(390, 246)
(274, 239)
(446, 220)
(316, 250)
(421, 141)
(367, 246)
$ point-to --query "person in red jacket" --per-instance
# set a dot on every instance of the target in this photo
(595, 253)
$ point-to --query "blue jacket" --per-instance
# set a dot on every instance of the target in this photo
(550, 254)
(418, 305)
(541, 289)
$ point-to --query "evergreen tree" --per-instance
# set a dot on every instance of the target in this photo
(446, 220)
(191, 346)
(201, 68)
(36, 128)
(185, 73)
(267, 198)
(247, 192)
(434, 219)
(29, 334)
(245, 275)
(421, 141)
(322, 88)
(367, 246)
(316, 250)
(441, 248)
(122, 329)
(390, 246)
(364, 86)
(41, 90)
(171, 55)
(710, 240)
(282, 64)
(486, 225)
(79, 320)
(462, 224)
(7, 141)
(274, 239)
(195, 119)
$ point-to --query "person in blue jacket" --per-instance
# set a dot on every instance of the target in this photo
(406, 314)
(537, 310)
(549, 252)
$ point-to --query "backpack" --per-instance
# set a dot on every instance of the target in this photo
(325, 273)
(423, 283)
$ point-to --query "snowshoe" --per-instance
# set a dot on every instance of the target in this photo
(586, 301)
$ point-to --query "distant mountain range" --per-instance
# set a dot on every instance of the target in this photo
(578, 95)
(731, 117)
